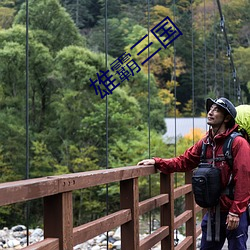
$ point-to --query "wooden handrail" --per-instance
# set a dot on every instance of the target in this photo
(90, 230)
(46, 244)
(56, 191)
(24, 190)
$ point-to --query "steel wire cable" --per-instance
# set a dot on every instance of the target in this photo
(236, 82)
(149, 120)
(106, 109)
(27, 204)
(205, 49)
(175, 108)
(192, 72)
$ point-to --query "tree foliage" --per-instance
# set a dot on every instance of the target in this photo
(69, 43)
(53, 25)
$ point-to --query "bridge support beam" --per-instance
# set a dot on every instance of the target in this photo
(167, 210)
(129, 192)
(190, 205)
(58, 219)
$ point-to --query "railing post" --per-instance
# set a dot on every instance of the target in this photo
(58, 219)
(129, 198)
(167, 210)
(190, 205)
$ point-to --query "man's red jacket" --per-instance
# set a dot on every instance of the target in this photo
(241, 167)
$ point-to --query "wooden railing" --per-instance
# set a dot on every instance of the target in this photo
(59, 232)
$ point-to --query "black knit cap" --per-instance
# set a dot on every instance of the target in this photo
(223, 103)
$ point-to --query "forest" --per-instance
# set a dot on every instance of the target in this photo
(70, 127)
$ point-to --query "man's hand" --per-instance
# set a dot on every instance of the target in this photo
(232, 221)
(146, 162)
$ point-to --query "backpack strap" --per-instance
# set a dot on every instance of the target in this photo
(203, 152)
(217, 207)
(227, 151)
(203, 155)
(227, 148)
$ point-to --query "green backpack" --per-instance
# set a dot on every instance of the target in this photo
(243, 120)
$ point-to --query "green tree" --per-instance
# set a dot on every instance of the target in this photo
(13, 60)
(161, 68)
(42, 163)
(237, 21)
(7, 12)
(242, 64)
(40, 67)
(6, 17)
(13, 148)
(84, 13)
(117, 31)
(53, 25)
(12, 101)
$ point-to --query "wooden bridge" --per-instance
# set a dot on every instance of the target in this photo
(56, 192)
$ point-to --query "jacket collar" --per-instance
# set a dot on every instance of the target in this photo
(221, 136)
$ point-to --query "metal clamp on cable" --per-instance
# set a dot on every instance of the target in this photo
(222, 24)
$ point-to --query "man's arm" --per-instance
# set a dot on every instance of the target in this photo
(241, 175)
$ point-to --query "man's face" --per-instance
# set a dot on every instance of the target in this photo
(215, 116)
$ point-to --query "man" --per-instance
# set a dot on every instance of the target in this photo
(221, 115)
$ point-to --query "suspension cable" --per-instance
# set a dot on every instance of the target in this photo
(215, 50)
(192, 73)
(221, 68)
(229, 83)
(27, 207)
(229, 54)
(149, 120)
(174, 79)
(175, 108)
(106, 117)
(205, 50)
